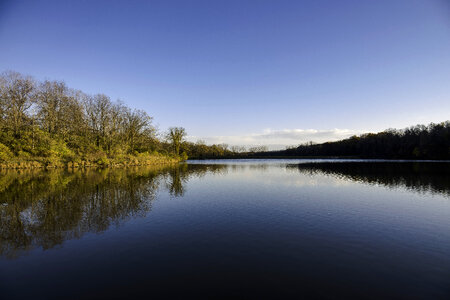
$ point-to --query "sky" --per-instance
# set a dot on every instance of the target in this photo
(260, 72)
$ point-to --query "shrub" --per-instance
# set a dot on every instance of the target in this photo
(103, 161)
(183, 156)
(5, 153)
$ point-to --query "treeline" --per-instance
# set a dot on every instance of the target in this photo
(416, 142)
(200, 150)
(48, 123)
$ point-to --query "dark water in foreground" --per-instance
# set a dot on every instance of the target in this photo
(242, 229)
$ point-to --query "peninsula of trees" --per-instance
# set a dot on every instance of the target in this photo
(47, 124)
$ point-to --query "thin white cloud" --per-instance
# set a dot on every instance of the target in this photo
(279, 139)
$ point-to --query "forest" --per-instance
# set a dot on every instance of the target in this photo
(430, 142)
(48, 124)
(416, 142)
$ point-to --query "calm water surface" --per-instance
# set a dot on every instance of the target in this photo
(243, 229)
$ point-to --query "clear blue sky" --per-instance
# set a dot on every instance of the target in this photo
(244, 71)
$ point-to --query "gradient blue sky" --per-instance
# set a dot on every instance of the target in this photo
(244, 72)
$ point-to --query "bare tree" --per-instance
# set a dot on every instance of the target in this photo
(97, 109)
(258, 149)
(137, 128)
(16, 98)
(115, 130)
(52, 102)
(238, 149)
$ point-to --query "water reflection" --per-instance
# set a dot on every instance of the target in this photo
(45, 208)
(42, 209)
(177, 177)
(247, 228)
(416, 176)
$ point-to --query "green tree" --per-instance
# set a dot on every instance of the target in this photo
(176, 135)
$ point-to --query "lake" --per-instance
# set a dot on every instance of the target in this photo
(228, 228)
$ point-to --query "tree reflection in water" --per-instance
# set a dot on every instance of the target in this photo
(45, 208)
(417, 176)
(42, 209)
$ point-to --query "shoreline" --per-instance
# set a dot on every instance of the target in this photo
(349, 158)
(82, 164)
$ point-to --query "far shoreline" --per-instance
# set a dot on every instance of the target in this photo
(321, 158)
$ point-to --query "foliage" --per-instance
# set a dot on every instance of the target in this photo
(53, 124)
(416, 142)
(5, 153)
(176, 136)
(183, 156)
(50, 124)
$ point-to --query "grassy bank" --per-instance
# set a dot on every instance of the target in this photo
(92, 161)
